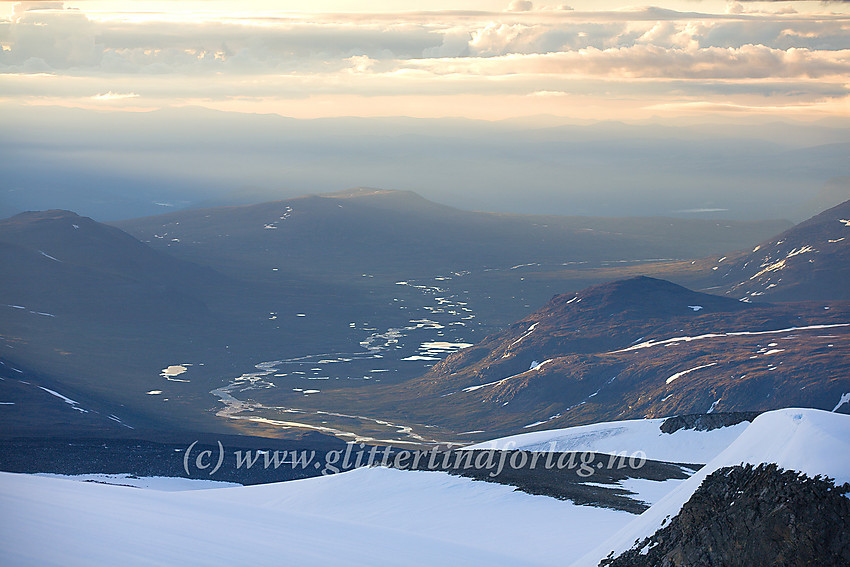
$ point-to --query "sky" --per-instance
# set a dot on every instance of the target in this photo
(478, 59)
(129, 108)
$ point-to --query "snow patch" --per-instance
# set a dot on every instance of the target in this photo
(524, 335)
(441, 347)
(688, 371)
(69, 401)
(801, 250)
(845, 399)
(170, 372)
(686, 339)
(649, 491)
(769, 268)
(503, 380)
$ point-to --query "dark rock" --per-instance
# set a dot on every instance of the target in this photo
(745, 516)
(706, 421)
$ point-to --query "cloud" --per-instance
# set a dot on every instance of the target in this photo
(360, 63)
(494, 38)
(20, 8)
(59, 38)
(646, 55)
(520, 6)
(650, 61)
(455, 43)
(701, 107)
(64, 39)
(109, 95)
(549, 93)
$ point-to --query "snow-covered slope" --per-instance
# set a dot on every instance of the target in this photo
(161, 483)
(389, 517)
(615, 437)
(369, 517)
(806, 440)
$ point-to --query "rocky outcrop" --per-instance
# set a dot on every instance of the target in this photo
(745, 516)
(706, 421)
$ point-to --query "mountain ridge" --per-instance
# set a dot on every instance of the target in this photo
(810, 261)
(578, 362)
(376, 230)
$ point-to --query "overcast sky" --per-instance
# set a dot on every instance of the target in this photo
(478, 59)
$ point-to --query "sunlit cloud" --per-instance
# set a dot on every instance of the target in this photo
(824, 107)
(109, 95)
(520, 6)
(549, 93)
(650, 56)
(749, 61)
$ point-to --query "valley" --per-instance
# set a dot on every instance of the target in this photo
(291, 316)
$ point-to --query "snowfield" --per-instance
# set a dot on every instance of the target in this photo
(368, 517)
(630, 436)
(385, 517)
(161, 483)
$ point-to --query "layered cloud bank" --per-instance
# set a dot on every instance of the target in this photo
(520, 59)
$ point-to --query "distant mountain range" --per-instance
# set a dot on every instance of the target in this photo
(398, 232)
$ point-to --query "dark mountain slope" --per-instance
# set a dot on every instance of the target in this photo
(628, 349)
(87, 309)
(68, 237)
(810, 261)
(59, 263)
(601, 318)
